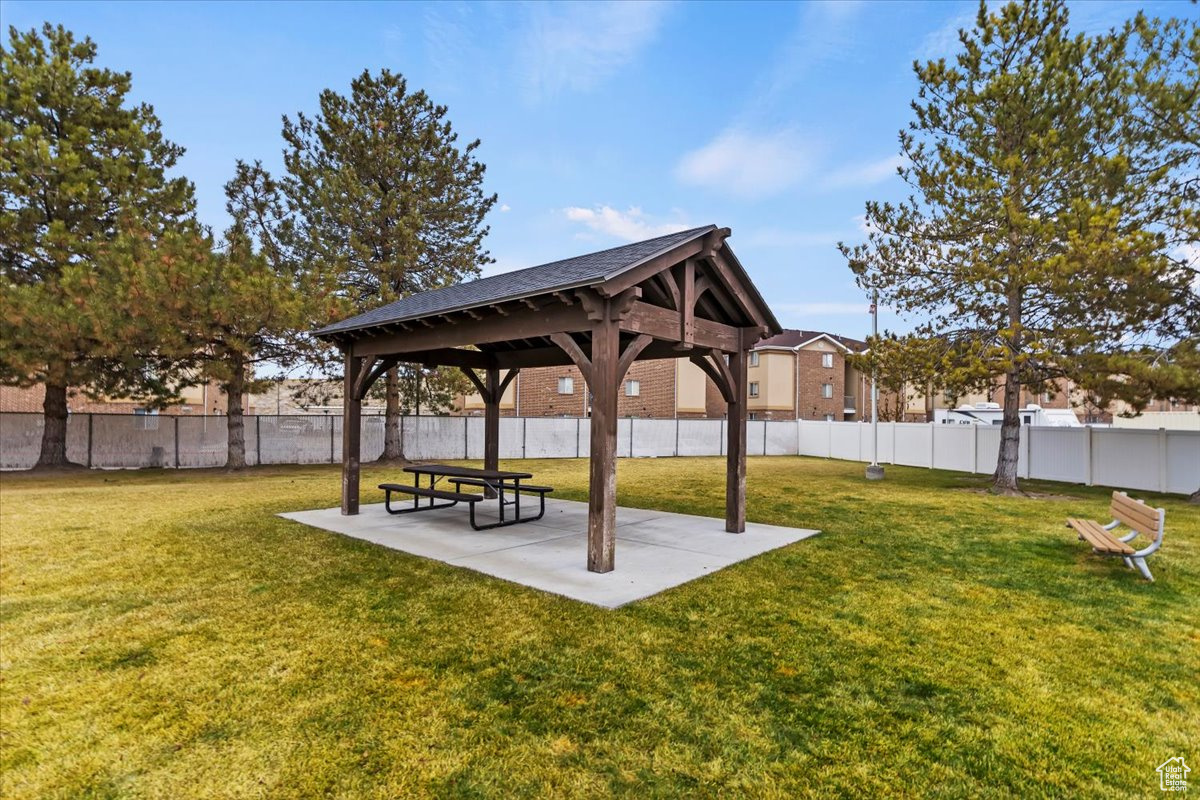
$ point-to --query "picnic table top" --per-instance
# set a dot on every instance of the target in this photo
(449, 471)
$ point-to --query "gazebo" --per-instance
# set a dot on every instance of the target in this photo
(680, 295)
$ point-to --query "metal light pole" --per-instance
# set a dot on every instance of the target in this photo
(874, 470)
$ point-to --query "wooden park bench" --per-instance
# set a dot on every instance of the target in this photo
(1135, 515)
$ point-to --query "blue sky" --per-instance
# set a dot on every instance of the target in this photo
(601, 123)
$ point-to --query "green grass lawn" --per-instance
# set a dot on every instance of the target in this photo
(165, 635)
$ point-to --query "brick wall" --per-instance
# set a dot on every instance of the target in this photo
(811, 403)
(30, 400)
(538, 394)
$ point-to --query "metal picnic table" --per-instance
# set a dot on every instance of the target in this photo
(499, 481)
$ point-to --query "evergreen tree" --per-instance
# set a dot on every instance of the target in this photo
(386, 200)
(79, 170)
(247, 306)
(1030, 236)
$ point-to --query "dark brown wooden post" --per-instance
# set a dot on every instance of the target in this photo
(735, 449)
(491, 424)
(602, 487)
(351, 432)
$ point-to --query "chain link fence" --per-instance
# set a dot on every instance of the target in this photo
(1158, 460)
(117, 441)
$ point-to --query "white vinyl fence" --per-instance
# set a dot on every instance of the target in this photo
(1149, 460)
(1125, 458)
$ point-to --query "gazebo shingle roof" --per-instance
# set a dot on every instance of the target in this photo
(569, 273)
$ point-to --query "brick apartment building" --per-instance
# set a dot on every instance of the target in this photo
(196, 400)
(661, 389)
(797, 373)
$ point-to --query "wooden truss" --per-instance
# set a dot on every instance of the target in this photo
(694, 301)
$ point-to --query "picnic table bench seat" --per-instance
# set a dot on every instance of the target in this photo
(1139, 518)
(499, 482)
(484, 484)
(420, 491)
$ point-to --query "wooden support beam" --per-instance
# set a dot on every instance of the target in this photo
(663, 323)
(651, 266)
(351, 433)
(713, 365)
(630, 354)
(731, 284)
(602, 482)
(368, 366)
(508, 378)
(480, 386)
(569, 346)
(526, 325)
(670, 288)
(687, 309)
(735, 446)
(491, 424)
(373, 369)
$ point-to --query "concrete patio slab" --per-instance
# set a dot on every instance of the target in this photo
(656, 550)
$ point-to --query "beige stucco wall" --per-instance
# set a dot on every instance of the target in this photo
(690, 384)
(474, 402)
(776, 381)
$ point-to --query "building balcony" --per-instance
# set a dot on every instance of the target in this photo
(849, 404)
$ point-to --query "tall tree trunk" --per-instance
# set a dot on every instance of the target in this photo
(929, 402)
(1005, 477)
(392, 449)
(235, 457)
(54, 426)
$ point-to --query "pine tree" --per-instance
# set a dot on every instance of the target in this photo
(386, 200)
(1028, 239)
(248, 305)
(79, 170)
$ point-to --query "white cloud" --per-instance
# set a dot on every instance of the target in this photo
(630, 226)
(867, 174)
(824, 33)
(748, 164)
(574, 46)
(1189, 253)
(505, 207)
(943, 42)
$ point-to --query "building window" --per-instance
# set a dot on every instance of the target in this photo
(754, 388)
(147, 419)
(566, 386)
(827, 390)
(827, 360)
(829, 417)
(753, 417)
(754, 358)
(633, 388)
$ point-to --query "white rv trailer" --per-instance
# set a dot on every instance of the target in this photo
(993, 414)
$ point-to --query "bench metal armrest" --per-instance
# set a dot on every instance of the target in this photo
(1129, 537)
(1157, 543)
